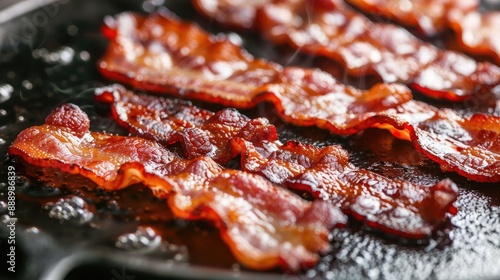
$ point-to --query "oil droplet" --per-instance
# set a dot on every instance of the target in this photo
(71, 209)
(330, 275)
(32, 230)
(173, 247)
(20, 118)
(62, 56)
(144, 238)
(27, 84)
(2, 141)
(179, 257)
(3, 112)
(373, 273)
(311, 273)
(359, 260)
(150, 5)
(235, 39)
(3, 206)
(72, 30)
(38, 53)
(322, 267)
(112, 205)
(147, 6)
(84, 55)
(6, 91)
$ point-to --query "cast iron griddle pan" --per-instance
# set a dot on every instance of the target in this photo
(48, 56)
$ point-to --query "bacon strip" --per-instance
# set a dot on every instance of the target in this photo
(429, 16)
(324, 172)
(477, 32)
(331, 29)
(264, 225)
(201, 132)
(180, 59)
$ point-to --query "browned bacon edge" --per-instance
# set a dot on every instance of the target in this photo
(263, 225)
(196, 65)
(394, 206)
(332, 29)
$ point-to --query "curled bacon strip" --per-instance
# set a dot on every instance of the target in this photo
(477, 33)
(331, 29)
(179, 58)
(430, 16)
(392, 205)
(264, 225)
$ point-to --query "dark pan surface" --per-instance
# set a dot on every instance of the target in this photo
(48, 56)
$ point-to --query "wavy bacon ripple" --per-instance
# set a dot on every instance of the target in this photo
(429, 16)
(394, 206)
(332, 29)
(264, 225)
(477, 32)
(179, 58)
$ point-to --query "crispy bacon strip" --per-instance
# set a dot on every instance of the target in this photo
(392, 205)
(477, 32)
(162, 54)
(201, 132)
(263, 224)
(331, 29)
(429, 16)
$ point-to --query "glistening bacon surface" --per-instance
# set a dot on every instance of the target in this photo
(264, 225)
(430, 16)
(392, 205)
(165, 55)
(478, 32)
(330, 28)
(200, 132)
